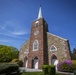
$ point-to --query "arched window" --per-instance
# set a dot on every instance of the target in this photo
(36, 23)
(26, 51)
(53, 48)
(35, 45)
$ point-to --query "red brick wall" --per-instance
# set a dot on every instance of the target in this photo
(42, 39)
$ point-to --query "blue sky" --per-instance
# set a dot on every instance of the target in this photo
(16, 17)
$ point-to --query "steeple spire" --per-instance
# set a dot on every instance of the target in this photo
(40, 13)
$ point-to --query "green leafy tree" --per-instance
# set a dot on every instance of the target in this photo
(15, 52)
(7, 53)
(74, 50)
(73, 54)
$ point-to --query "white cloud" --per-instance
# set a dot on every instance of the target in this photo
(13, 29)
(19, 32)
(3, 40)
(12, 35)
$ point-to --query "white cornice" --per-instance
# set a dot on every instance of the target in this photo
(57, 36)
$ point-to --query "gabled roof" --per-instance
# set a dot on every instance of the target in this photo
(57, 36)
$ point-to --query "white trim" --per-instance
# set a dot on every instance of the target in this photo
(26, 51)
(36, 32)
(53, 46)
(57, 36)
(37, 45)
(36, 23)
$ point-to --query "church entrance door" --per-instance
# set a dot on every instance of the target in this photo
(26, 62)
(35, 63)
(54, 61)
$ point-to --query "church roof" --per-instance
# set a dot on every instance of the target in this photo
(57, 36)
(40, 13)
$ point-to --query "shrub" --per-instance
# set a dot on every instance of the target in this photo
(20, 63)
(45, 69)
(74, 61)
(49, 69)
(8, 68)
(74, 64)
(66, 66)
(52, 70)
(14, 61)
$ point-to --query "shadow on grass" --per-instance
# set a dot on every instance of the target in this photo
(36, 73)
(33, 73)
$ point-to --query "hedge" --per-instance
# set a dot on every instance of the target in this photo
(14, 60)
(20, 63)
(52, 70)
(74, 64)
(49, 70)
(8, 68)
(45, 69)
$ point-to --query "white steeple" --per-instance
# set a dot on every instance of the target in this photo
(40, 13)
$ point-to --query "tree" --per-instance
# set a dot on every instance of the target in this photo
(74, 50)
(15, 52)
(7, 53)
(73, 54)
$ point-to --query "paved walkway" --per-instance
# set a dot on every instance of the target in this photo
(23, 69)
(65, 73)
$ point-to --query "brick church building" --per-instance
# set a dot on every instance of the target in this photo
(43, 47)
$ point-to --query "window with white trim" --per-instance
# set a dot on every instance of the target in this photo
(35, 45)
(53, 48)
(36, 23)
(26, 51)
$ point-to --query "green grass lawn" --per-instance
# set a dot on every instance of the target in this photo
(32, 73)
(35, 73)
